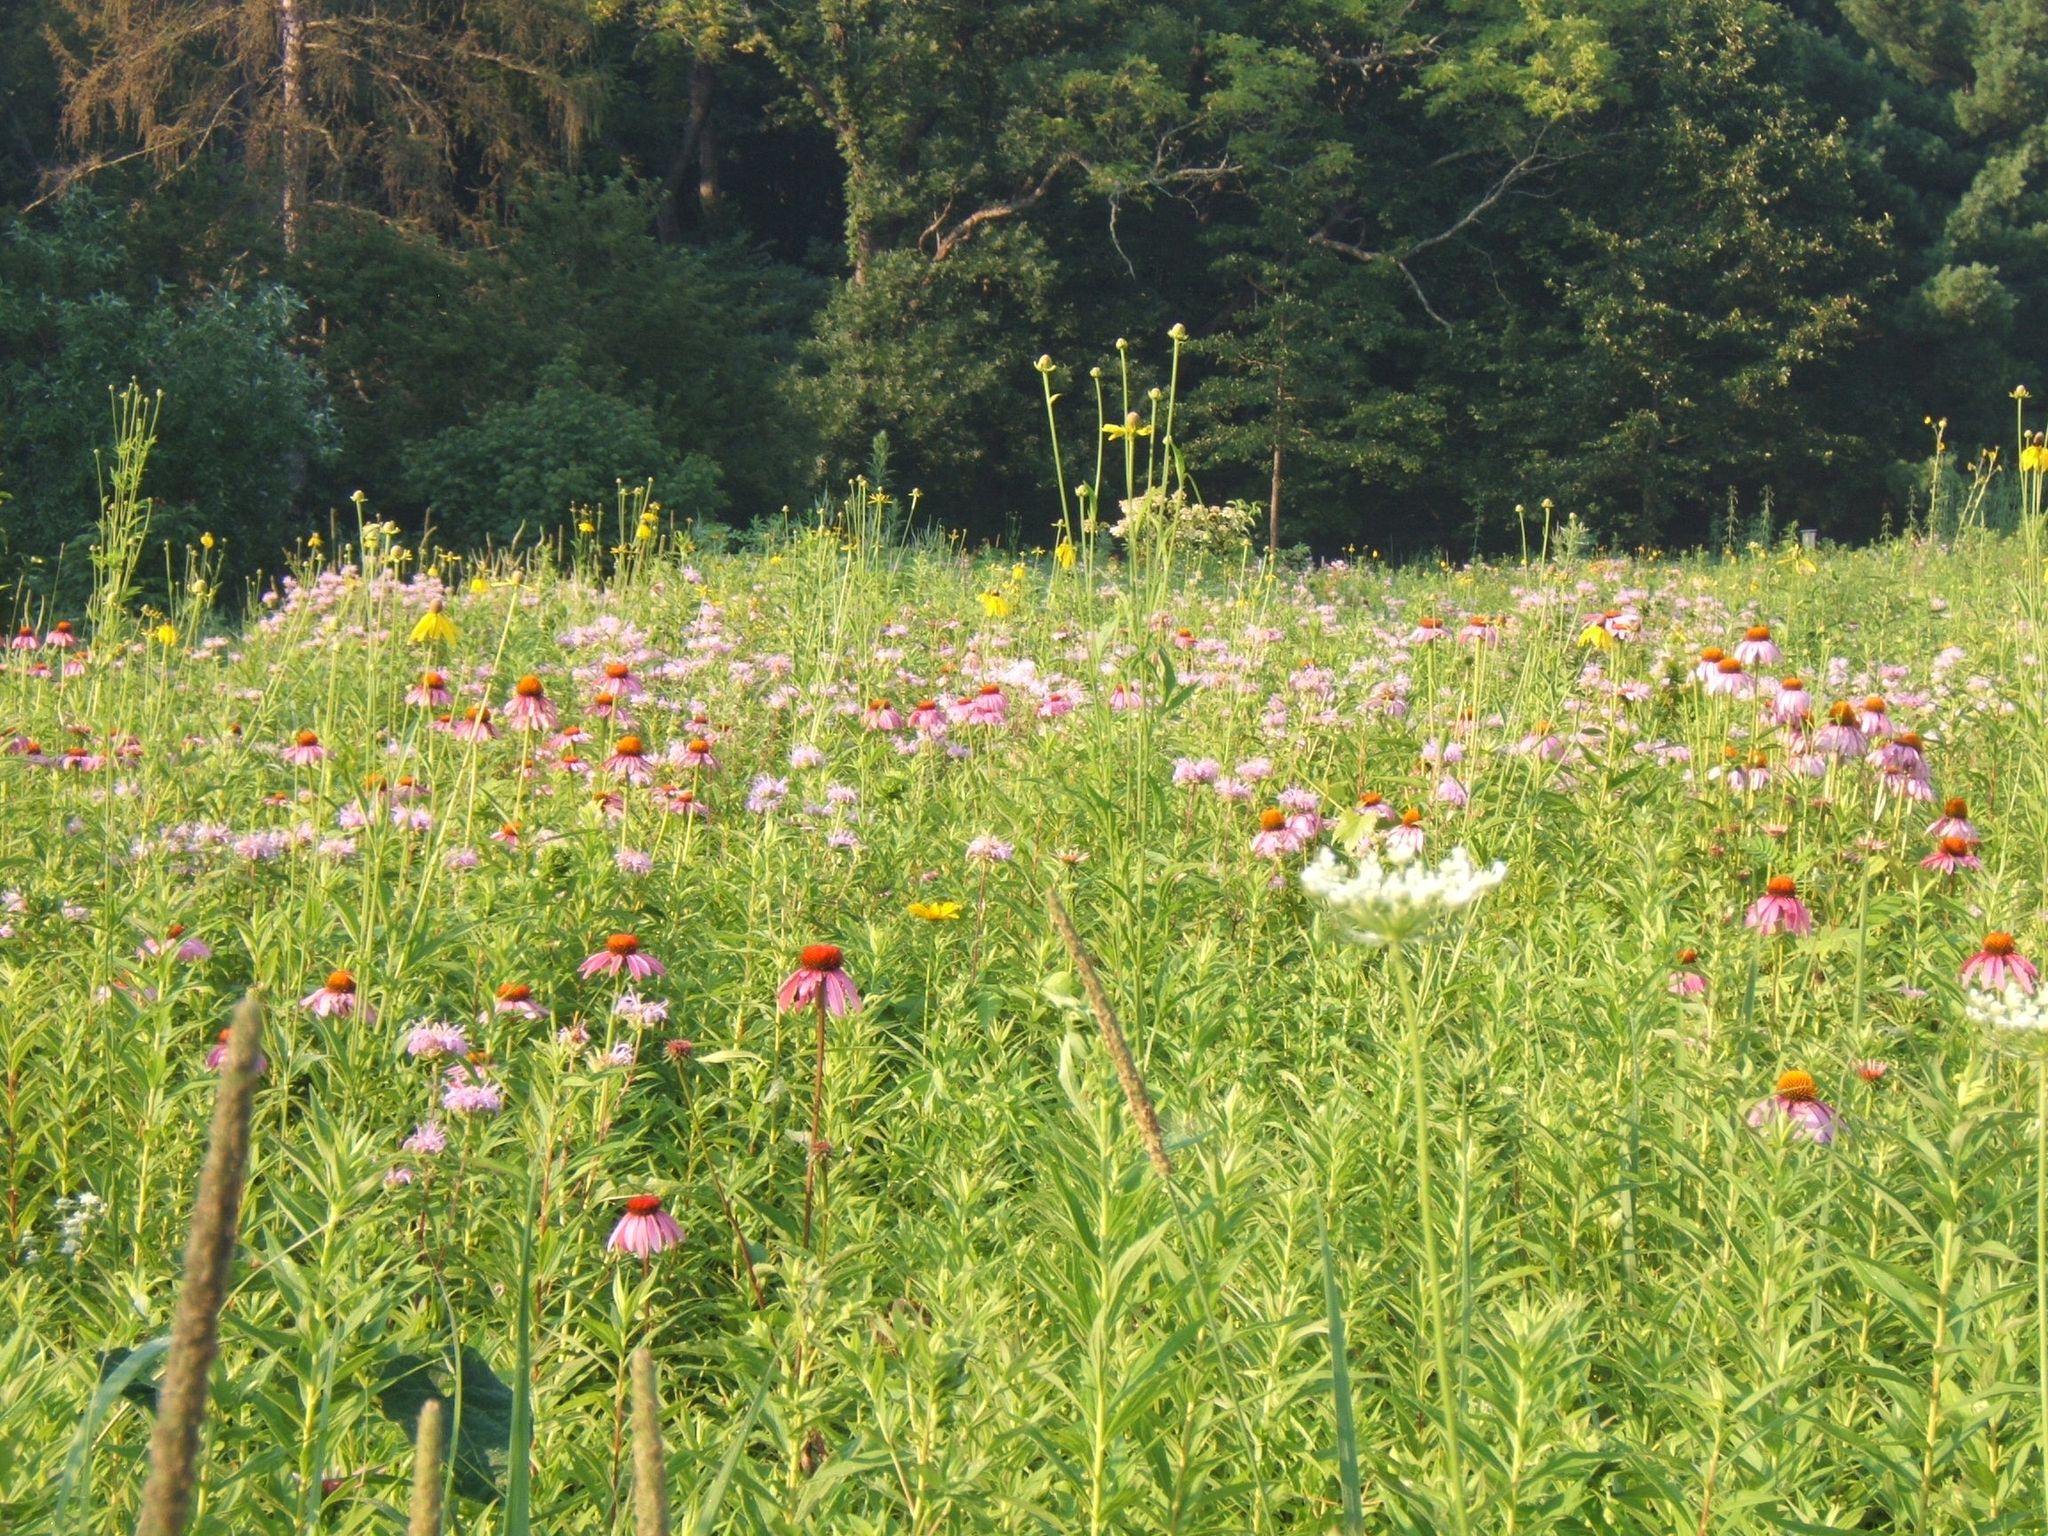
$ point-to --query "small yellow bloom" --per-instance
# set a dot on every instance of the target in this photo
(645, 533)
(1063, 554)
(995, 605)
(936, 911)
(586, 527)
(313, 541)
(479, 585)
(1595, 634)
(434, 627)
(166, 634)
(206, 541)
(1132, 426)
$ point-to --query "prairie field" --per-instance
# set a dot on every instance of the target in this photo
(1669, 1161)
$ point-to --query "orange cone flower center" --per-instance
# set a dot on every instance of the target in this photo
(643, 1205)
(1998, 944)
(820, 957)
(1798, 1087)
(1781, 885)
(622, 944)
(340, 981)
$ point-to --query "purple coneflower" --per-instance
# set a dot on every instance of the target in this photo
(1998, 965)
(1779, 909)
(304, 751)
(1756, 648)
(820, 973)
(645, 1230)
(622, 952)
(529, 709)
(1796, 1103)
(336, 999)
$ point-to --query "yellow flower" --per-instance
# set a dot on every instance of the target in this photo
(936, 911)
(1131, 426)
(206, 541)
(646, 532)
(434, 627)
(995, 605)
(1017, 572)
(1063, 554)
(1595, 634)
(586, 527)
(165, 634)
(479, 585)
(313, 541)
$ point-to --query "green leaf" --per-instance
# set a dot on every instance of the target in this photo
(483, 1428)
(120, 1376)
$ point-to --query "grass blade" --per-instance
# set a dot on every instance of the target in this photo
(519, 1450)
(118, 1380)
(1340, 1391)
(715, 1494)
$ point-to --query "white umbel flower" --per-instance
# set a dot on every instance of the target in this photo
(2010, 1009)
(1390, 903)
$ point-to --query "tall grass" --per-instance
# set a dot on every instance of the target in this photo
(1180, 1271)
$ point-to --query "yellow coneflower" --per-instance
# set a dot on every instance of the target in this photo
(434, 627)
(936, 911)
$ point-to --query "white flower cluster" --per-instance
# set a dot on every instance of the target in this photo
(75, 1213)
(1157, 515)
(2011, 1009)
(1389, 903)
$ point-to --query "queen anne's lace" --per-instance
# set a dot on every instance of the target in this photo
(1390, 903)
(2008, 1009)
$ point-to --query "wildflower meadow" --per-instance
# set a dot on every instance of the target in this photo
(859, 1036)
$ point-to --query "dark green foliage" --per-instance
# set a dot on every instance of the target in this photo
(1435, 258)
(246, 411)
(479, 1402)
(522, 465)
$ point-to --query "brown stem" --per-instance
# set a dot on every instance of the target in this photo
(817, 1119)
(1113, 1038)
(425, 1519)
(209, 1261)
(650, 1470)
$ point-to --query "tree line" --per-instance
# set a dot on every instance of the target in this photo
(1653, 261)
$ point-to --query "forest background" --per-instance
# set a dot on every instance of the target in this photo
(1676, 266)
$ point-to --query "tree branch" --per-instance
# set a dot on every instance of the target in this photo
(965, 229)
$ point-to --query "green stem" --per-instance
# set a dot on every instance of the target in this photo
(1432, 1264)
(2041, 1266)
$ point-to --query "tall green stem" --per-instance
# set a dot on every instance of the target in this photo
(2041, 1266)
(1432, 1264)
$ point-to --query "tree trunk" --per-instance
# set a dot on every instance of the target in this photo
(1273, 509)
(291, 33)
(696, 149)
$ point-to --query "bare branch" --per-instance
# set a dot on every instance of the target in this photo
(965, 229)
